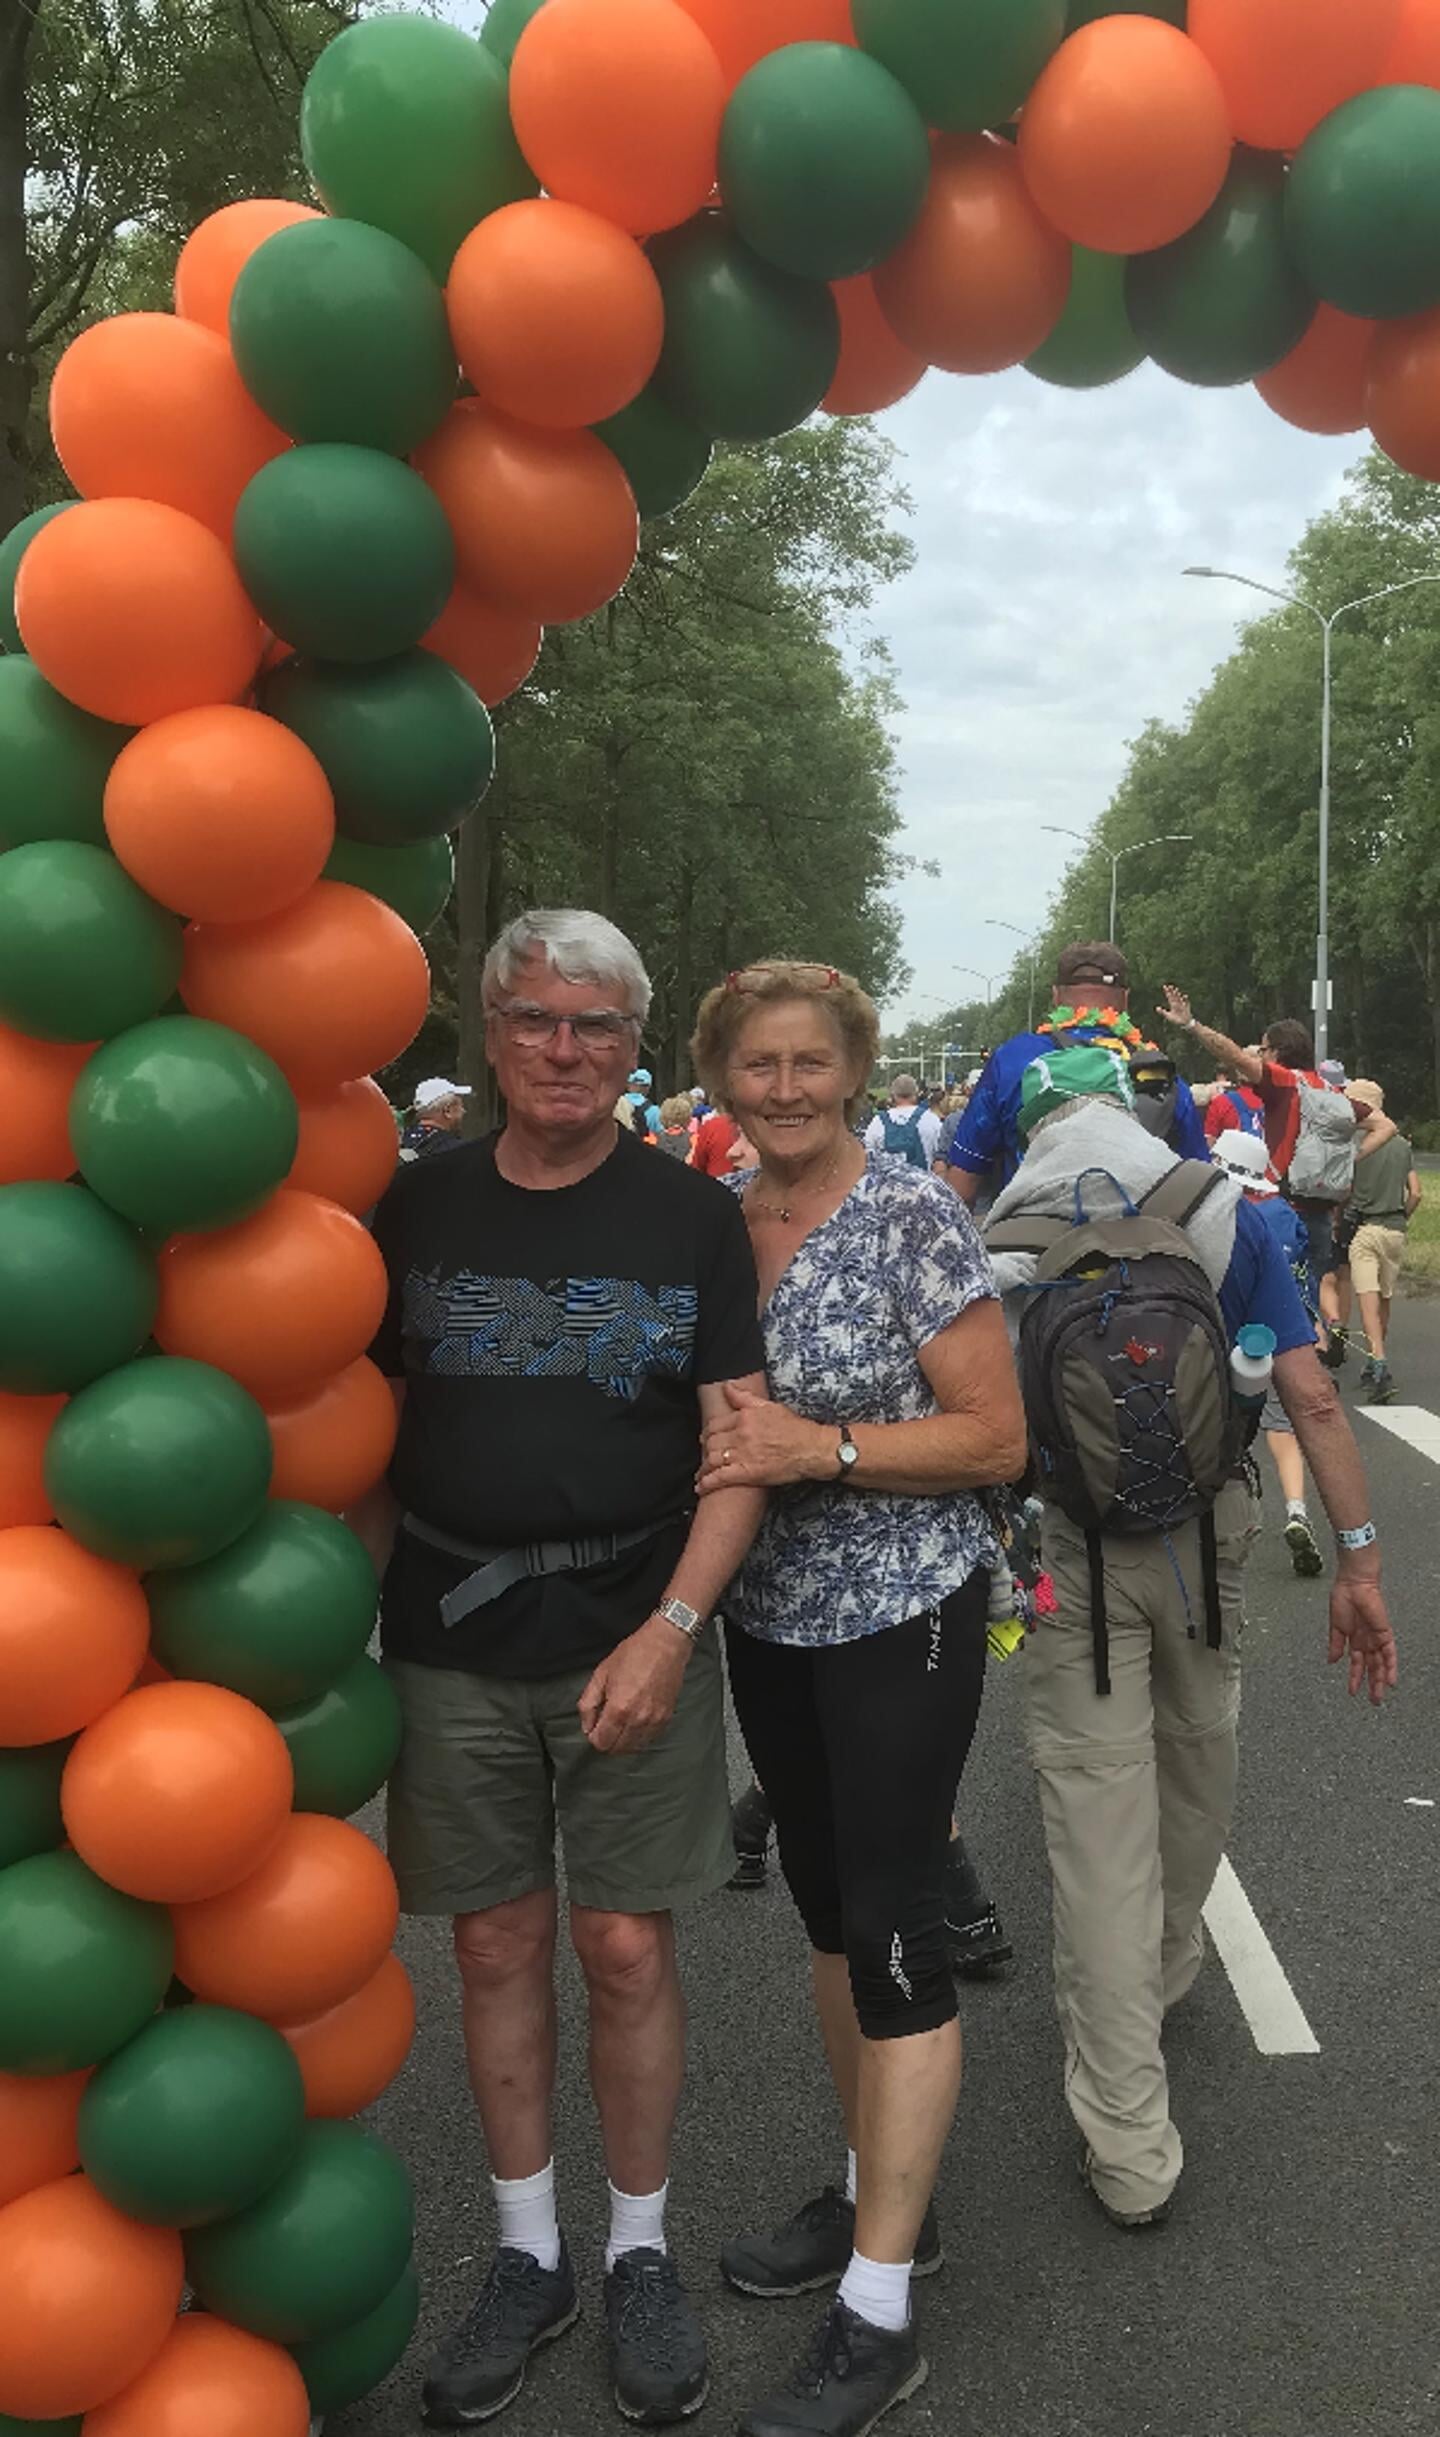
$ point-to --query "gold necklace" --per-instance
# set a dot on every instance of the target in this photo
(781, 1210)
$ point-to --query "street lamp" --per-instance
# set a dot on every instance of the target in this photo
(1032, 950)
(1117, 854)
(987, 979)
(1226, 575)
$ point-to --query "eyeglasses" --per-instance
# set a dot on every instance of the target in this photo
(755, 977)
(596, 1030)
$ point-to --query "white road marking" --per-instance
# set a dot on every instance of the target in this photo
(1267, 2001)
(1419, 1428)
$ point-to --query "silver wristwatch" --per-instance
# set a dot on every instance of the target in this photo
(848, 1454)
(683, 1617)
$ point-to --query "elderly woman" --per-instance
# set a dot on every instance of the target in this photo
(856, 1634)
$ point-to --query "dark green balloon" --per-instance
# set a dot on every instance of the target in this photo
(1092, 344)
(1225, 301)
(181, 1124)
(195, 2119)
(54, 761)
(340, 334)
(1085, 12)
(82, 1967)
(344, 551)
(322, 2249)
(39, 2428)
(504, 23)
(344, 1745)
(83, 952)
(824, 160)
(161, 1463)
(12, 549)
(340, 2369)
(77, 1290)
(749, 351)
(407, 746)
(416, 880)
(964, 67)
(30, 1801)
(1363, 207)
(406, 124)
(277, 1616)
(664, 457)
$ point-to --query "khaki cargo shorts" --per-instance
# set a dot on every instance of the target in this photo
(489, 1768)
(1375, 1257)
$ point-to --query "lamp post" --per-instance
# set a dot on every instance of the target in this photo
(1032, 949)
(987, 980)
(1327, 626)
(1117, 854)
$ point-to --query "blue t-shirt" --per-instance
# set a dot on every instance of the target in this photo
(1258, 1288)
(987, 1131)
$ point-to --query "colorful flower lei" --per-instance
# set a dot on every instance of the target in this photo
(1108, 1019)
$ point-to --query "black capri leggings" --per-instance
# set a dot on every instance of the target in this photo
(859, 1747)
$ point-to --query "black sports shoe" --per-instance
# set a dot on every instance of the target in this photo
(979, 1947)
(812, 2250)
(848, 2378)
(751, 1823)
(480, 2366)
(657, 2352)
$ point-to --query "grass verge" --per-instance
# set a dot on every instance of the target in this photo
(1422, 1244)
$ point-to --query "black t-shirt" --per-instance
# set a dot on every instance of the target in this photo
(552, 1344)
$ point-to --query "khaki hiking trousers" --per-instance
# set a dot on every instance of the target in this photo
(1137, 1790)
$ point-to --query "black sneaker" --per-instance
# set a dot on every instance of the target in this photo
(751, 1823)
(812, 2250)
(978, 1948)
(847, 2380)
(751, 1871)
(657, 2352)
(480, 2366)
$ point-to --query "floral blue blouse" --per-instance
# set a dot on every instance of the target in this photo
(897, 1262)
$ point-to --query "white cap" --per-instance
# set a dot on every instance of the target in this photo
(434, 1089)
(1244, 1157)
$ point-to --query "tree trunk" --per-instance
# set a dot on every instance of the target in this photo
(17, 367)
(472, 889)
(683, 997)
(613, 756)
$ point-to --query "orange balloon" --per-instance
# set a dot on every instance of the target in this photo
(493, 649)
(876, 368)
(349, 1147)
(981, 279)
(73, 1634)
(36, 1080)
(133, 611)
(1286, 64)
(300, 1935)
(281, 1300)
(331, 987)
(147, 407)
(25, 1426)
(1125, 140)
(335, 1445)
(1402, 393)
(90, 2297)
(348, 2056)
(178, 1792)
(556, 314)
(221, 814)
(216, 252)
(744, 31)
(1414, 57)
(545, 523)
(1320, 385)
(617, 105)
(39, 2115)
(213, 2377)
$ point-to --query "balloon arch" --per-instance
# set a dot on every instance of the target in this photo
(325, 509)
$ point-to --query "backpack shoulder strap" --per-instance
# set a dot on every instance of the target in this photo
(1025, 1234)
(1181, 1191)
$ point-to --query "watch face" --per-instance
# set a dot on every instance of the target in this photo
(849, 1455)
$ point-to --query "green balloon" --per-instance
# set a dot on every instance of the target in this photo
(407, 746)
(344, 552)
(277, 1616)
(749, 351)
(1092, 344)
(30, 1819)
(181, 1124)
(824, 160)
(82, 1967)
(83, 952)
(1363, 207)
(77, 1290)
(965, 68)
(416, 880)
(1225, 301)
(161, 1463)
(339, 2370)
(39, 2428)
(664, 457)
(13, 548)
(195, 2119)
(504, 24)
(340, 334)
(54, 761)
(344, 1745)
(406, 124)
(1085, 12)
(322, 2249)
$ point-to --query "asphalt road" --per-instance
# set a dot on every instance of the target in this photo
(1293, 2293)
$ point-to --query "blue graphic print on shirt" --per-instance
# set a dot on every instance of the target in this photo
(611, 1331)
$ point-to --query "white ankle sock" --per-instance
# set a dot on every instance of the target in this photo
(851, 2172)
(637, 2223)
(1294, 1507)
(876, 2291)
(526, 2209)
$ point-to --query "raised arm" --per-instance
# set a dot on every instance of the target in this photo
(1243, 1063)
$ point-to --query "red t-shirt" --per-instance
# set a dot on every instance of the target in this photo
(714, 1141)
(1222, 1115)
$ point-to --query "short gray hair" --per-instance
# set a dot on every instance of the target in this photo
(579, 946)
(904, 1087)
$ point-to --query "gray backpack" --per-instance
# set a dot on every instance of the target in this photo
(1323, 1166)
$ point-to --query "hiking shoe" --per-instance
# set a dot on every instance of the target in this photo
(480, 2366)
(1303, 1546)
(812, 2249)
(750, 1826)
(751, 1870)
(977, 1947)
(657, 2352)
(1335, 1348)
(1129, 2221)
(1382, 1386)
(849, 2376)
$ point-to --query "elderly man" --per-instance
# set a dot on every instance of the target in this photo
(565, 1312)
(438, 1113)
(908, 1128)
